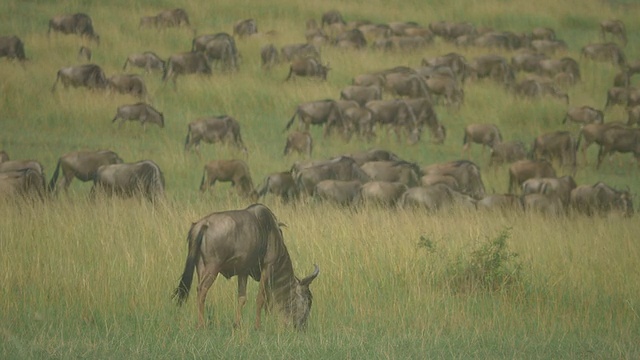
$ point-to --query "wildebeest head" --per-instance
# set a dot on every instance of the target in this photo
(301, 305)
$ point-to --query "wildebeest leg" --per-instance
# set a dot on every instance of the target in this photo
(261, 299)
(208, 277)
(242, 298)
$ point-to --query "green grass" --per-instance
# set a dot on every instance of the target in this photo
(94, 279)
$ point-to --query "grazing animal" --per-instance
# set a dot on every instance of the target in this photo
(605, 52)
(166, 19)
(332, 17)
(12, 47)
(222, 50)
(143, 178)
(280, 184)
(446, 87)
(212, 130)
(507, 152)
(556, 145)
(547, 205)
(466, 173)
(614, 27)
(593, 133)
(184, 64)
(147, 60)
(341, 168)
(14, 165)
(142, 112)
(432, 179)
(485, 134)
(199, 43)
(506, 203)
(82, 165)
(299, 51)
(553, 67)
(495, 67)
(533, 88)
(619, 139)
(393, 171)
(584, 115)
(425, 114)
(364, 156)
(559, 187)
(129, 84)
(369, 80)
(549, 46)
(87, 75)
(522, 170)
(435, 198)
(543, 33)
(321, 112)
(25, 183)
(308, 67)
(396, 114)
(269, 56)
(78, 24)
(234, 171)
(350, 39)
(341, 192)
(84, 53)
(410, 85)
(246, 243)
(299, 141)
(361, 94)
(383, 193)
(601, 199)
(246, 27)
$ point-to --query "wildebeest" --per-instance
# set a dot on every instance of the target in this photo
(166, 18)
(549, 46)
(601, 199)
(369, 80)
(395, 114)
(543, 204)
(604, 52)
(361, 94)
(381, 192)
(246, 243)
(280, 184)
(432, 179)
(617, 95)
(619, 139)
(435, 198)
(593, 133)
(129, 84)
(299, 51)
(450, 31)
(495, 67)
(525, 169)
(536, 88)
(485, 134)
(425, 115)
(308, 67)
(341, 192)
(500, 202)
(147, 60)
(269, 56)
(12, 47)
(340, 168)
(186, 63)
(446, 87)
(364, 156)
(143, 178)
(222, 50)
(507, 152)
(557, 187)
(300, 142)
(404, 84)
(235, 171)
(350, 39)
(616, 28)
(466, 173)
(212, 130)
(321, 112)
(142, 112)
(393, 171)
(331, 17)
(84, 54)
(82, 165)
(22, 183)
(245, 27)
(454, 61)
(14, 165)
(543, 33)
(556, 145)
(79, 24)
(584, 115)
(87, 75)
(553, 67)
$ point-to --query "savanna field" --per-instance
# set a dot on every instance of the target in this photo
(93, 278)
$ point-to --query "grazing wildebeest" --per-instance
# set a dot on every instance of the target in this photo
(619, 139)
(450, 31)
(234, 171)
(269, 56)
(553, 67)
(364, 156)
(556, 145)
(605, 52)
(536, 88)
(361, 94)
(584, 115)
(14, 165)
(24, 183)
(245, 27)
(359, 120)
(543, 33)
(543, 204)
(527, 61)
(381, 192)
(396, 114)
(308, 67)
(616, 28)
(457, 63)
(525, 169)
(82, 165)
(425, 114)
(549, 46)
(300, 142)
(199, 43)
(601, 199)
(88, 75)
(341, 192)
(404, 84)
(617, 95)
(79, 24)
(559, 187)
(299, 51)
(350, 39)
(393, 171)
(246, 243)
(500, 202)
(593, 133)
(435, 198)
(172, 18)
(446, 87)
(142, 178)
(321, 112)
(186, 63)
(12, 47)
(495, 67)
(466, 173)
(212, 130)
(129, 84)
(147, 60)
(142, 112)
(84, 53)
(369, 80)
(432, 179)
(485, 134)
(332, 17)
(280, 184)
(222, 50)
(340, 168)
(507, 152)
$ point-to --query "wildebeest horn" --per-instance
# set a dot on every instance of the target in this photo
(306, 281)
(281, 224)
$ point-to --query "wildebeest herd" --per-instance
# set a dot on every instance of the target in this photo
(403, 100)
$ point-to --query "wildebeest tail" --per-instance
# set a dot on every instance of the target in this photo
(291, 121)
(54, 178)
(186, 141)
(181, 293)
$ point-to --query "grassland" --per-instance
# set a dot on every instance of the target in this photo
(83, 279)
